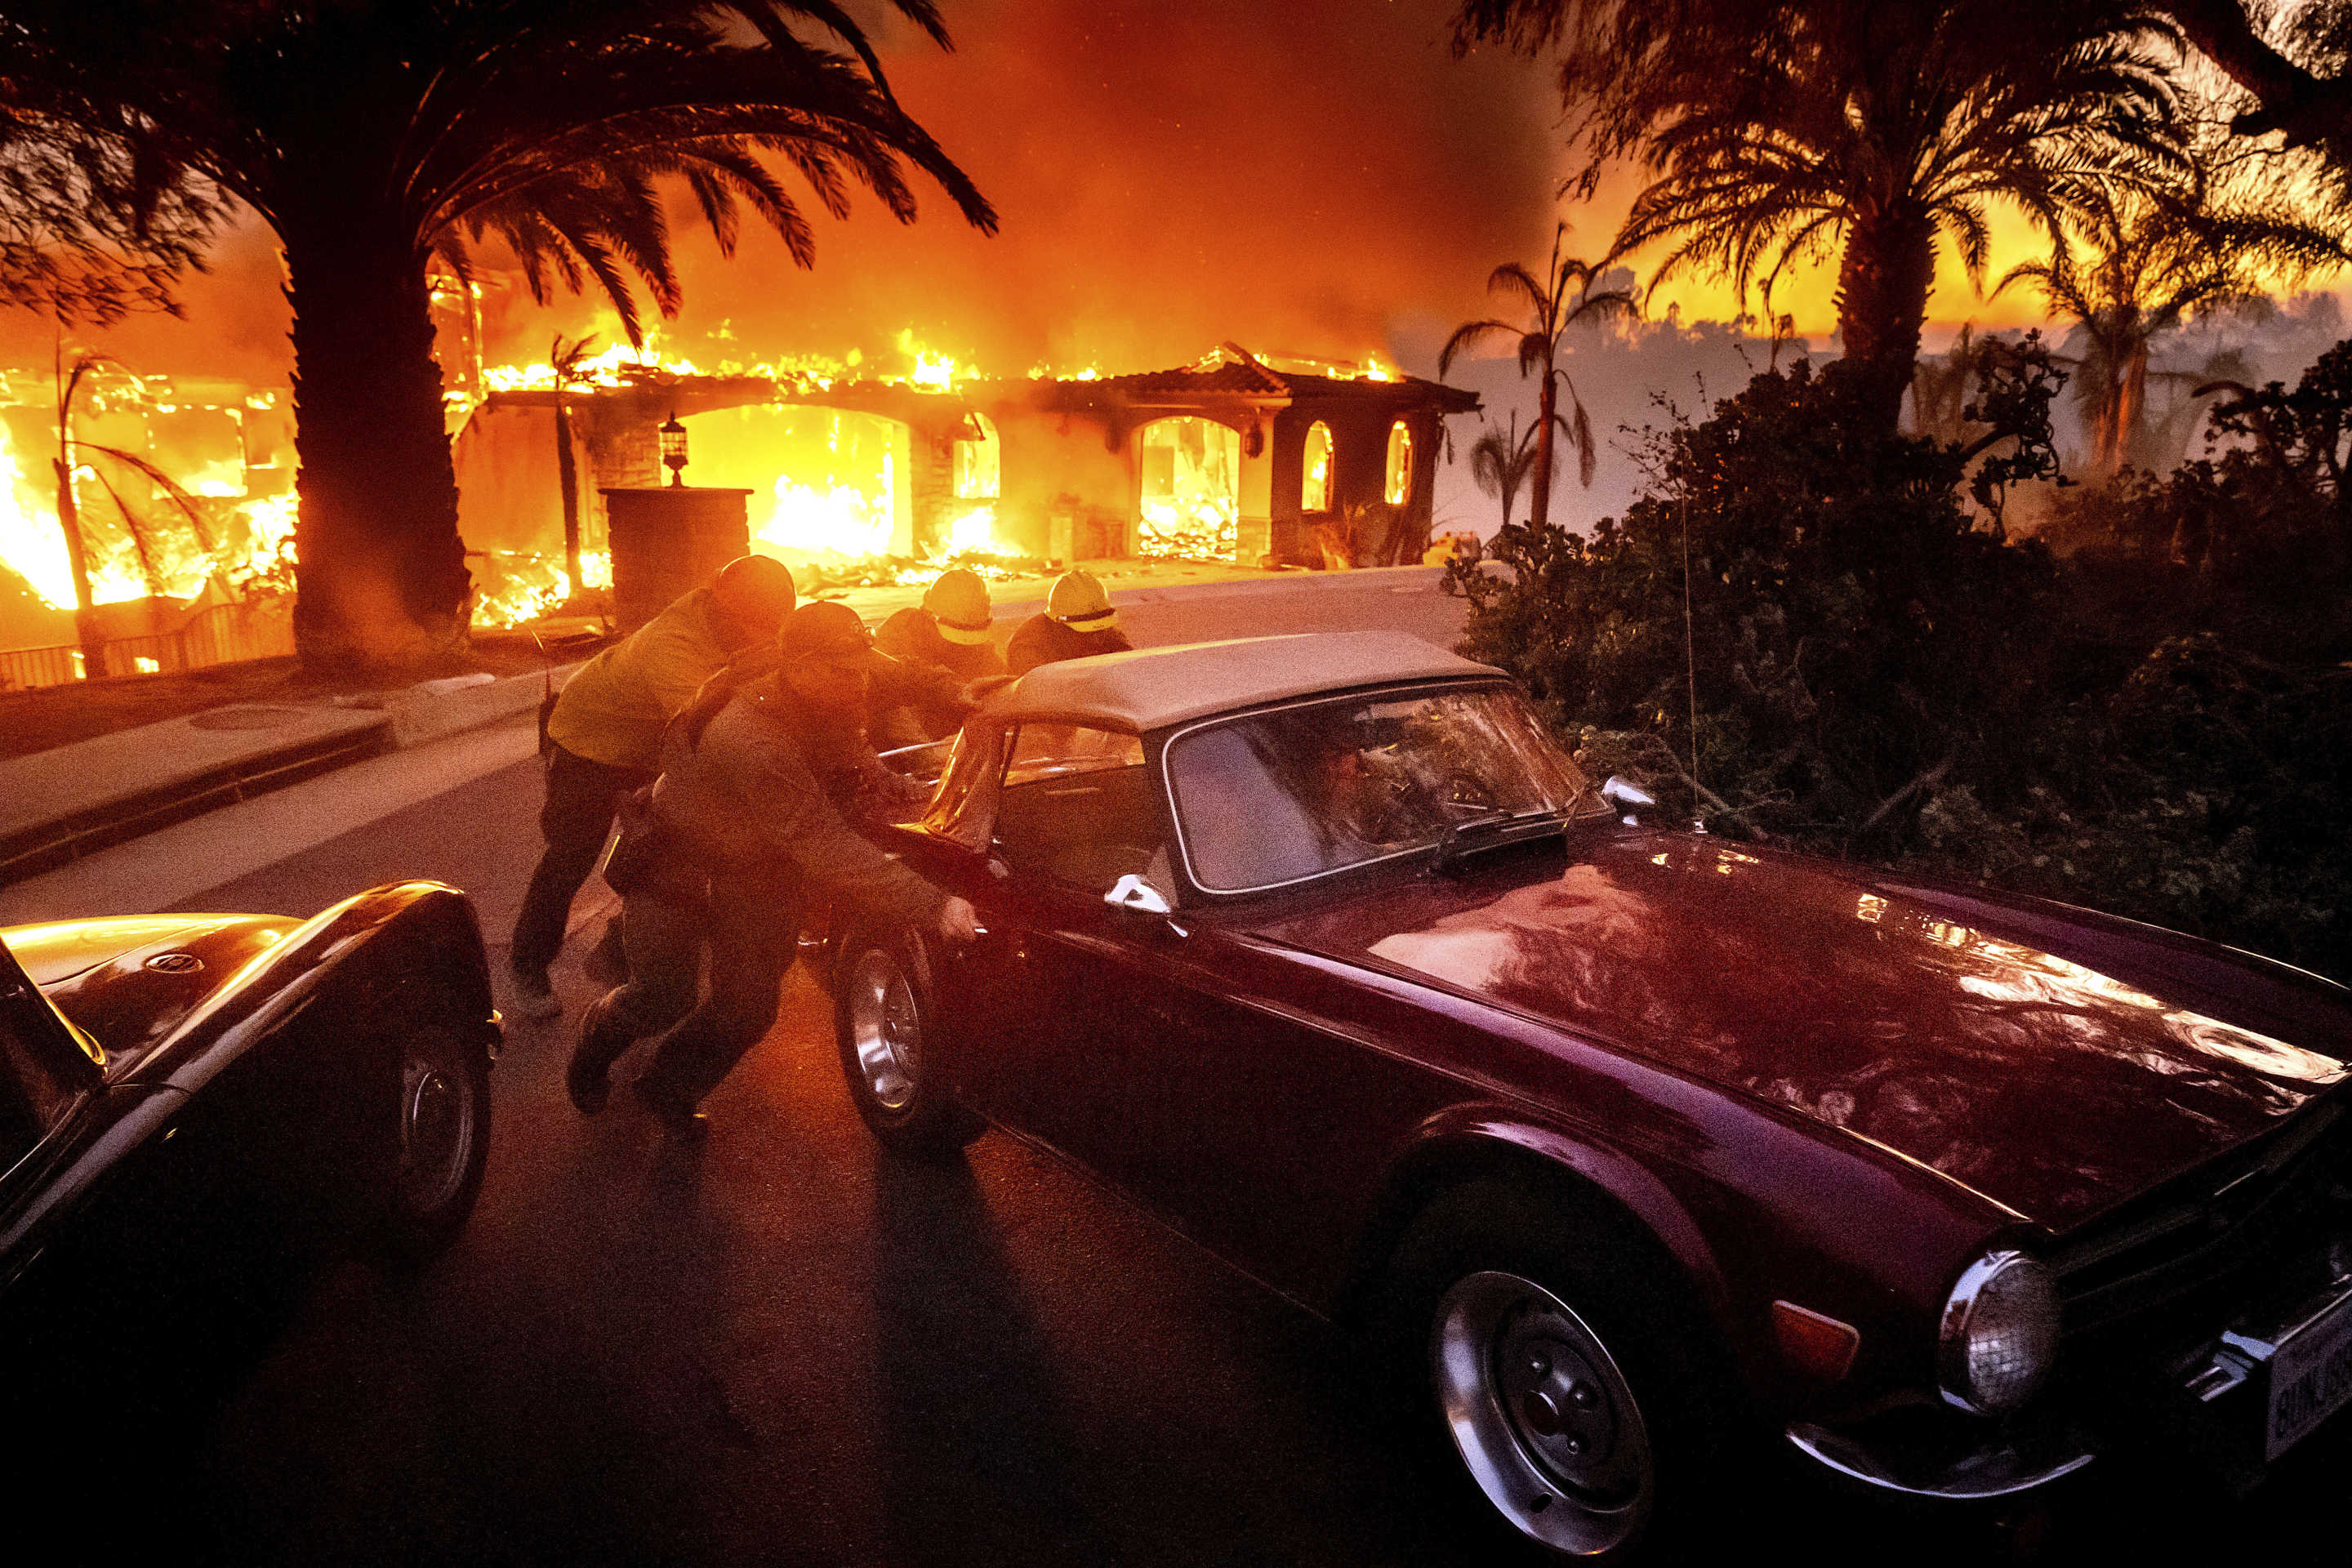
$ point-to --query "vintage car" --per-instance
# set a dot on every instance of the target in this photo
(1631, 1138)
(184, 1095)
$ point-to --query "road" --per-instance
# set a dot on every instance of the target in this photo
(784, 1347)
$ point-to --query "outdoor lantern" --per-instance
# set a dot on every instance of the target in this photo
(673, 449)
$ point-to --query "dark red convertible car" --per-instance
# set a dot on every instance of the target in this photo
(1636, 1140)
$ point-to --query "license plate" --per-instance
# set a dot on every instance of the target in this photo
(2311, 1376)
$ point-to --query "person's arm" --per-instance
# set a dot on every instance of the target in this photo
(673, 666)
(795, 816)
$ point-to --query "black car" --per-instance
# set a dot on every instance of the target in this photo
(187, 1102)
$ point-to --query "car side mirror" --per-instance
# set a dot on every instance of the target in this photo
(1132, 893)
(1626, 796)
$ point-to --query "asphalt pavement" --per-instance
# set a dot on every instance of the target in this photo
(783, 1346)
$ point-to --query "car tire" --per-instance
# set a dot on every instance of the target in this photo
(1554, 1388)
(882, 1014)
(443, 1142)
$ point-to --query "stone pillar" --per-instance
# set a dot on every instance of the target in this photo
(1254, 497)
(668, 540)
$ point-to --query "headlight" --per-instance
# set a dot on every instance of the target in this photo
(2000, 1333)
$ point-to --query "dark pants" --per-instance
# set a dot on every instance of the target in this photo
(581, 796)
(751, 927)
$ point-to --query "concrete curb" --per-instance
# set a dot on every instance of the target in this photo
(58, 805)
(1366, 580)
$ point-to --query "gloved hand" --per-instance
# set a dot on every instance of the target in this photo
(959, 921)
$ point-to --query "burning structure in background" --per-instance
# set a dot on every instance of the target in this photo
(157, 563)
(1233, 458)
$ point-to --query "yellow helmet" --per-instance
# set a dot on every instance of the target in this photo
(957, 601)
(1078, 602)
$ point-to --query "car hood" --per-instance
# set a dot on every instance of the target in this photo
(129, 982)
(2057, 1066)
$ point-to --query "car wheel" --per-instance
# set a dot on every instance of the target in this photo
(1560, 1406)
(881, 1016)
(444, 1121)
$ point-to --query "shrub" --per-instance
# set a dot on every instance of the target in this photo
(1878, 671)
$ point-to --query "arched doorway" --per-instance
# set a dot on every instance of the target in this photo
(978, 479)
(1190, 499)
(1315, 469)
(824, 482)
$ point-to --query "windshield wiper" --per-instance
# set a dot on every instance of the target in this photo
(1480, 832)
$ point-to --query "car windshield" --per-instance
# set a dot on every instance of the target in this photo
(1278, 797)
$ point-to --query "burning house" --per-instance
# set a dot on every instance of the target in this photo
(1233, 458)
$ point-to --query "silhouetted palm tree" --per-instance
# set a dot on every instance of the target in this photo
(1561, 298)
(72, 457)
(1500, 461)
(2151, 266)
(1781, 133)
(565, 360)
(369, 134)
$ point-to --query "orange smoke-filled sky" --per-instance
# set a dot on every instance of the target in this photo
(1315, 177)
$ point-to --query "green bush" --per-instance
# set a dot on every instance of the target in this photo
(1879, 672)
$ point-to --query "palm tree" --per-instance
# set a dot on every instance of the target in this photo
(1500, 461)
(565, 358)
(1548, 310)
(2150, 265)
(72, 455)
(371, 133)
(1883, 129)
(1783, 132)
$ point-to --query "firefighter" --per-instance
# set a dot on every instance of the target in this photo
(762, 777)
(1077, 620)
(605, 740)
(942, 646)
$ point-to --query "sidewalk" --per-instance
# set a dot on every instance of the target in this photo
(60, 806)
(162, 870)
(144, 818)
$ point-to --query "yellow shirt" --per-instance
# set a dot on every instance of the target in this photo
(614, 709)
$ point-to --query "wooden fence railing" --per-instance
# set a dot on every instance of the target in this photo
(221, 635)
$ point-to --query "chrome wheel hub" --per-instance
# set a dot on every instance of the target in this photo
(1540, 1414)
(439, 1120)
(885, 1030)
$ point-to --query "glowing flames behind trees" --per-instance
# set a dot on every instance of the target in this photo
(371, 136)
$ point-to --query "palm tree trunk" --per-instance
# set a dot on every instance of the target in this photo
(1547, 403)
(567, 481)
(1884, 279)
(93, 647)
(2131, 407)
(382, 582)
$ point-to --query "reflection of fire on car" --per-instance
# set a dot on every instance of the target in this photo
(188, 1101)
(1616, 1130)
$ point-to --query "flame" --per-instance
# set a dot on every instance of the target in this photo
(30, 543)
(518, 589)
(839, 520)
(933, 372)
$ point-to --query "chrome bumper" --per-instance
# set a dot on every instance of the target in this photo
(2013, 1462)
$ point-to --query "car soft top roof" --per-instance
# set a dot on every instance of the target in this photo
(1150, 688)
